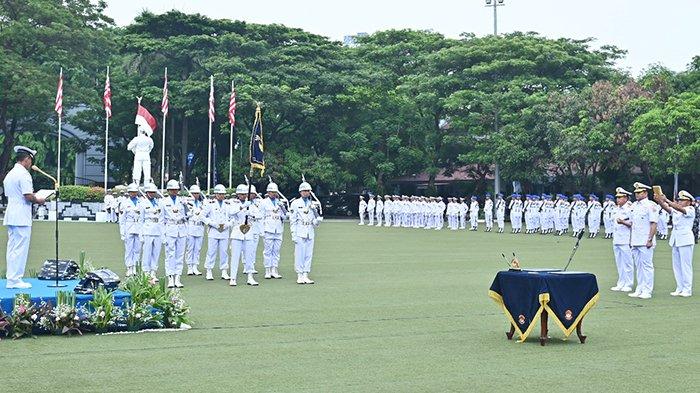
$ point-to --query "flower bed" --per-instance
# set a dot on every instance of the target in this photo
(152, 306)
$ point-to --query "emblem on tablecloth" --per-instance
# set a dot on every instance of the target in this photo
(521, 319)
(568, 315)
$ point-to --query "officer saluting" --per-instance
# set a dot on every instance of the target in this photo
(18, 215)
(175, 219)
(643, 218)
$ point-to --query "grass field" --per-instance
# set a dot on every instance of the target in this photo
(392, 310)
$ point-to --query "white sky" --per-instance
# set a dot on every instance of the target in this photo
(652, 31)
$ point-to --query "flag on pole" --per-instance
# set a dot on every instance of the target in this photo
(211, 100)
(232, 106)
(164, 103)
(145, 120)
(257, 145)
(107, 97)
(59, 95)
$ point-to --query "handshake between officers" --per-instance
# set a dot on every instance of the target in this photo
(149, 221)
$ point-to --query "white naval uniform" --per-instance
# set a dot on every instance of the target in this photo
(608, 217)
(243, 244)
(662, 227)
(256, 226)
(273, 213)
(594, 217)
(175, 219)
(361, 211)
(141, 146)
(131, 224)
(380, 211)
(488, 213)
(621, 246)
(108, 207)
(463, 209)
(643, 214)
(474, 214)
(303, 220)
(151, 223)
(216, 216)
(501, 213)
(516, 213)
(371, 204)
(682, 242)
(18, 219)
(195, 231)
(388, 212)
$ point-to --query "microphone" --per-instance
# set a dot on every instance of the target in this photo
(37, 169)
(571, 257)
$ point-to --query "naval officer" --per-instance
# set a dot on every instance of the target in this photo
(18, 215)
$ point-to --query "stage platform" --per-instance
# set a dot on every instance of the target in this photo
(40, 291)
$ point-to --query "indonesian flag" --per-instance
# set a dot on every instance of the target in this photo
(164, 103)
(59, 95)
(232, 106)
(211, 100)
(145, 121)
(107, 97)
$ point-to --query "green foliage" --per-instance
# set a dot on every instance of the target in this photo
(81, 194)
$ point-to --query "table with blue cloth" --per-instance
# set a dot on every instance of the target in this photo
(528, 295)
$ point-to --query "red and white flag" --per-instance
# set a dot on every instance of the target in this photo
(211, 100)
(164, 103)
(107, 97)
(145, 120)
(232, 106)
(59, 95)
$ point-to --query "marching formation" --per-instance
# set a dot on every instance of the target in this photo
(149, 222)
(634, 227)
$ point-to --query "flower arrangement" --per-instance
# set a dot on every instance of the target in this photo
(84, 265)
(175, 310)
(103, 315)
(24, 316)
(4, 325)
(142, 316)
(65, 317)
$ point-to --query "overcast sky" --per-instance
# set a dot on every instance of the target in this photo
(652, 31)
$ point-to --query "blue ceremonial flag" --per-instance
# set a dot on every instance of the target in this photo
(257, 145)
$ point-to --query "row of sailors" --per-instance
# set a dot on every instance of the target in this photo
(543, 214)
(233, 226)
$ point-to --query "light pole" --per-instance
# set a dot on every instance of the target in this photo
(497, 173)
(675, 173)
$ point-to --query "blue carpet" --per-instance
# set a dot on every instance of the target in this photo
(40, 291)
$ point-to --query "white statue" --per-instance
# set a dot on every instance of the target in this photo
(141, 146)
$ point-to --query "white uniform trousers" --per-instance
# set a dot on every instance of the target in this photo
(17, 252)
(644, 262)
(193, 250)
(139, 166)
(371, 217)
(462, 221)
(174, 255)
(625, 265)
(501, 221)
(387, 219)
(303, 253)
(216, 247)
(242, 249)
(132, 249)
(683, 267)
(271, 252)
(362, 218)
(516, 220)
(473, 220)
(488, 217)
(151, 253)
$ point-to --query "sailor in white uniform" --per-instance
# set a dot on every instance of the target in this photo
(500, 212)
(151, 223)
(488, 212)
(643, 218)
(371, 207)
(19, 190)
(621, 241)
(379, 210)
(362, 210)
(195, 230)
(388, 210)
(682, 240)
(274, 212)
(175, 219)
(242, 212)
(516, 213)
(216, 217)
(304, 218)
(131, 222)
(608, 219)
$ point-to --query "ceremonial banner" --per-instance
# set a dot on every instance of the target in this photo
(523, 295)
(257, 145)
(145, 121)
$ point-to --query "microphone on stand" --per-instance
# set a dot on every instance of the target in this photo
(55, 182)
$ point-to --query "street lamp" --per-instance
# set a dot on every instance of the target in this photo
(497, 173)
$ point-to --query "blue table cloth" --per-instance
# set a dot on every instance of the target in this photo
(524, 295)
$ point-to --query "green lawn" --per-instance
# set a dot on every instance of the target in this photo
(392, 310)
